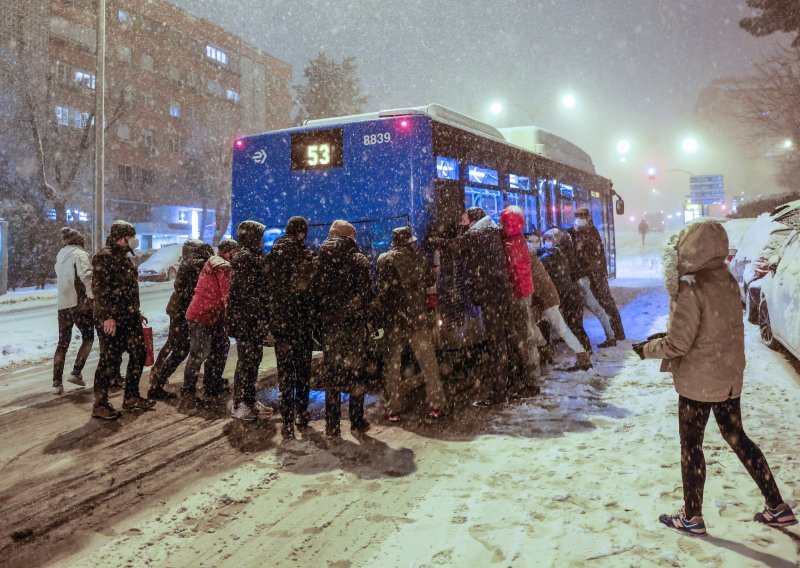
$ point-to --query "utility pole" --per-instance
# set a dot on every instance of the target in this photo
(98, 220)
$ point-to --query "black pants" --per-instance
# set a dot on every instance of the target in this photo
(601, 291)
(173, 353)
(81, 316)
(572, 310)
(293, 355)
(344, 357)
(494, 324)
(692, 420)
(250, 354)
(128, 338)
(209, 345)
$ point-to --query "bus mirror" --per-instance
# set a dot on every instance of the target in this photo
(620, 207)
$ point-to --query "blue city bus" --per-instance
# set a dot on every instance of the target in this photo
(419, 167)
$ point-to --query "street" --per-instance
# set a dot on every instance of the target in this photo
(534, 483)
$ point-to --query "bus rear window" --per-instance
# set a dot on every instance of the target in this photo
(317, 150)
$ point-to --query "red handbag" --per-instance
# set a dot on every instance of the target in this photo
(149, 359)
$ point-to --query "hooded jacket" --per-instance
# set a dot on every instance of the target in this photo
(74, 276)
(484, 257)
(404, 277)
(704, 345)
(248, 297)
(210, 297)
(518, 258)
(194, 255)
(291, 267)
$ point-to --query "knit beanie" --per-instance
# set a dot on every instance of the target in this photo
(341, 228)
(296, 226)
(71, 237)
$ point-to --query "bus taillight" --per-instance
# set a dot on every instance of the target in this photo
(239, 143)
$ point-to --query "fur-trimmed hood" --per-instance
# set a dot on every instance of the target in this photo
(700, 245)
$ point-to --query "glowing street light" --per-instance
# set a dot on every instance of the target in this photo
(690, 145)
(623, 146)
(788, 144)
(496, 108)
(569, 101)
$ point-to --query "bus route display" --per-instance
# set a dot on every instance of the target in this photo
(317, 150)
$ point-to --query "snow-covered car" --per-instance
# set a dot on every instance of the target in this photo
(760, 242)
(736, 229)
(779, 309)
(162, 265)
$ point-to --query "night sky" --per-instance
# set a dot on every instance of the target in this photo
(635, 66)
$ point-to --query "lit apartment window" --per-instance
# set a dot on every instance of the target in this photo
(175, 110)
(62, 116)
(216, 54)
(233, 96)
(123, 17)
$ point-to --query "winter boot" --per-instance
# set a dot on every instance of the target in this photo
(582, 363)
(137, 403)
(104, 412)
(608, 343)
(158, 393)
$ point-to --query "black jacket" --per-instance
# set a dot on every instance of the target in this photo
(248, 297)
(341, 286)
(404, 276)
(115, 284)
(589, 251)
(558, 268)
(484, 257)
(291, 267)
(194, 255)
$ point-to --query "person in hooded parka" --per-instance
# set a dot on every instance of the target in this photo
(247, 315)
(291, 269)
(343, 298)
(74, 303)
(704, 350)
(194, 255)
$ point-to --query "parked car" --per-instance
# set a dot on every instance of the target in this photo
(162, 264)
(751, 260)
(779, 309)
(736, 229)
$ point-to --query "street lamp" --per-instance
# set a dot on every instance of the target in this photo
(690, 145)
(623, 146)
(568, 101)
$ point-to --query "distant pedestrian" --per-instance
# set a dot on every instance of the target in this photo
(248, 315)
(194, 255)
(644, 228)
(74, 303)
(118, 320)
(343, 298)
(205, 319)
(481, 250)
(704, 350)
(404, 276)
(291, 268)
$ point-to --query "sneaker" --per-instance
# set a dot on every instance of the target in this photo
(137, 403)
(243, 412)
(159, 393)
(58, 390)
(360, 426)
(607, 343)
(693, 527)
(76, 379)
(780, 516)
(394, 418)
(104, 412)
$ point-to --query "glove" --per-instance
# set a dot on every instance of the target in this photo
(639, 348)
(658, 335)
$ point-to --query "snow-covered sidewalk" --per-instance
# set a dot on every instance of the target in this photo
(575, 477)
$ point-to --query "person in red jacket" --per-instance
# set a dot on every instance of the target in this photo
(522, 338)
(208, 337)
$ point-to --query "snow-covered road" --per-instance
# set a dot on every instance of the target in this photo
(575, 477)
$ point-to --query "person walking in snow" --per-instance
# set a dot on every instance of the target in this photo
(194, 255)
(487, 287)
(205, 319)
(74, 303)
(291, 271)
(118, 320)
(247, 315)
(342, 292)
(644, 228)
(704, 349)
(591, 255)
(522, 339)
(404, 276)
(546, 294)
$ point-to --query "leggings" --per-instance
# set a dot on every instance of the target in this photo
(692, 420)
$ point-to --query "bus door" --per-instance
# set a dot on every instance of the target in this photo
(565, 207)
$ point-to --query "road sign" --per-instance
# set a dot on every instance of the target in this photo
(707, 189)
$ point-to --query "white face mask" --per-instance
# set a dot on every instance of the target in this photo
(133, 243)
(580, 222)
(548, 244)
